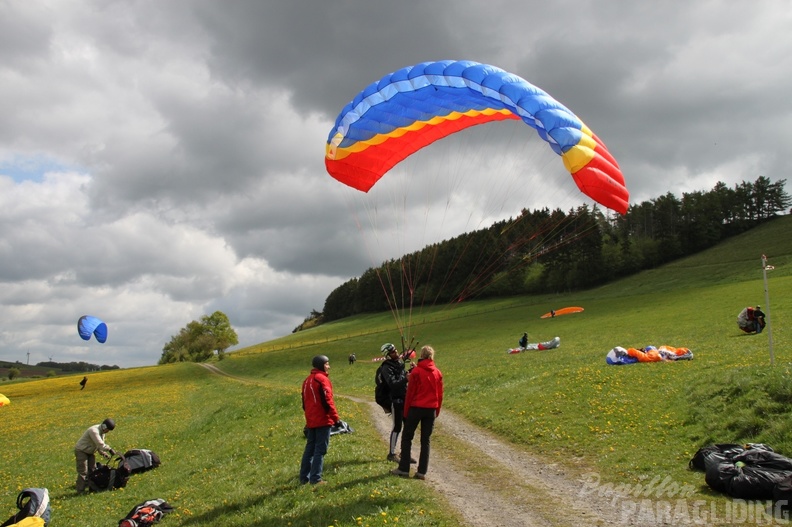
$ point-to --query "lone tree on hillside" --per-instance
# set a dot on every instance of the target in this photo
(198, 341)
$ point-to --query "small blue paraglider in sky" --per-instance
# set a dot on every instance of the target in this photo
(88, 325)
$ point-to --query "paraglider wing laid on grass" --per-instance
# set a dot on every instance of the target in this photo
(620, 356)
(4, 401)
(562, 311)
(88, 325)
(415, 106)
(540, 346)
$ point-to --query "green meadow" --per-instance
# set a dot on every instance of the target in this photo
(231, 446)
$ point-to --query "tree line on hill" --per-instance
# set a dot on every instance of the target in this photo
(17, 369)
(546, 251)
(76, 366)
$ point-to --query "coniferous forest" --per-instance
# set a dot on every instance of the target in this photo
(549, 251)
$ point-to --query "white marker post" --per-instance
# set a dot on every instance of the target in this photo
(768, 318)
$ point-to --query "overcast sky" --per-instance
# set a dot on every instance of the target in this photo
(160, 160)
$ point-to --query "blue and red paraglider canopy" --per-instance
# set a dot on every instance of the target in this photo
(415, 106)
(88, 325)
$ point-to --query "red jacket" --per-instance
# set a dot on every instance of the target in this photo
(424, 387)
(317, 400)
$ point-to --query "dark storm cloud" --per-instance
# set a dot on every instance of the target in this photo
(165, 159)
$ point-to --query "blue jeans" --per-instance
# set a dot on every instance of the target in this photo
(313, 457)
(417, 416)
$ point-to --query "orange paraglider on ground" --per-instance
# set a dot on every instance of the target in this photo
(563, 311)
(620, 356)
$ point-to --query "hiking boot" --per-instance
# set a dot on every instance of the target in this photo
(394, 458)
(420, 476)
(400, 473)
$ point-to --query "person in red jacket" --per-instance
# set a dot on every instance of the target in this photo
(320, 415)
(421, 406)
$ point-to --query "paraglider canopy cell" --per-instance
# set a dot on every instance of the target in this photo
(88, 325)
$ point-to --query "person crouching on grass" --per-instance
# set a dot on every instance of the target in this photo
(320, 415)
(421, 406)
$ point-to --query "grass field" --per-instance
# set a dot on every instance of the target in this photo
(231, 449)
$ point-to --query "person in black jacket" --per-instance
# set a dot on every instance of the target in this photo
(395, 376)
(758, 319)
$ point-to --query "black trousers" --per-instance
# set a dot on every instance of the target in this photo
(417, 416)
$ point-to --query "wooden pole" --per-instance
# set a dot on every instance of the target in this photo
(768, 318)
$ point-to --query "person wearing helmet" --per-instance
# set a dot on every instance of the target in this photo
(395, 377)
(320, 415)
(92, 440)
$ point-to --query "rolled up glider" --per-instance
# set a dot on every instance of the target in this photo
(619, 356)
(751, 320)
(88, 325)
(4, 401)
(415, 106)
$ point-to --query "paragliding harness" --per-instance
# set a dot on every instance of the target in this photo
(382, 391)
(342, 427)
(141, 460)
(146, 514)
(31, 503)
(114, 475)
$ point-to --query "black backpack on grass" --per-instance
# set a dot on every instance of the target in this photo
(382, 391)
(114, 475)
(31, 502)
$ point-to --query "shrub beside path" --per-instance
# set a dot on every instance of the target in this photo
(490, 482)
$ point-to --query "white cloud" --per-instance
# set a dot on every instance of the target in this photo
(159, 161)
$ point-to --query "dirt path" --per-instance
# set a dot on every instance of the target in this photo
(499, 484)
(505, 487)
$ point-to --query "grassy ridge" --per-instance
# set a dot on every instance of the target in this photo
(231, 449)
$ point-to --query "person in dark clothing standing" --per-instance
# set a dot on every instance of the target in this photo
(83, 382)
(421, 406)
(395, 376)
(524, 340)
(320, 415)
